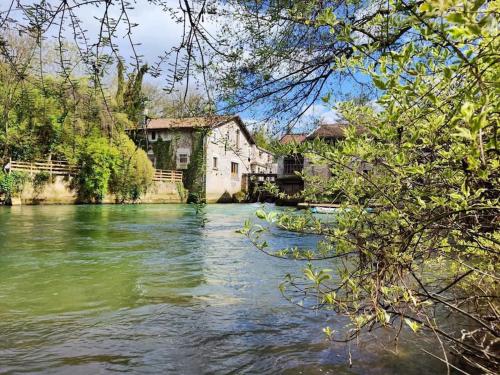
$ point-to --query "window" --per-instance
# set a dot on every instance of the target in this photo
(237, 139)
(183, 158)
(214, 162)
(153, 136)
(292, 164)
(234, 169)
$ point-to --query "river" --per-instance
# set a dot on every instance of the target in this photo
(157, 289)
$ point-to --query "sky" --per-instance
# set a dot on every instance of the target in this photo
(157, 33)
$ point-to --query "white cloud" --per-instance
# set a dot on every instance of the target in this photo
(321, 113)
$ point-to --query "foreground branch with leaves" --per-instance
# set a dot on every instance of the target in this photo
(415, 241)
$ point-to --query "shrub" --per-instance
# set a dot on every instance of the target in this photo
(117, 166)
(97, 161)
(239, 197)
(39, 180)
(11, 183)
(133, 172)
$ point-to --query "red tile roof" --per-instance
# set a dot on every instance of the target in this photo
(197, 123)
(335, 131)
(292, 138)
(188, 122)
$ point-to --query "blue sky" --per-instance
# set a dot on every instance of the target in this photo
(157, 33)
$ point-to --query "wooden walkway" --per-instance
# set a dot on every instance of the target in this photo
(53, 167)
(63, 168)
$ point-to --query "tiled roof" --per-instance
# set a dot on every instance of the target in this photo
(335, 131)
(197, 123)
(188, 122)
(292, 138)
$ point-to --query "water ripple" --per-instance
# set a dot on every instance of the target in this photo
(148, 289)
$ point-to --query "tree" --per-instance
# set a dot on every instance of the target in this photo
(263, 137)
(415, 242)
(130, 99)
(46, 116)
(190, 104)
(278, 57)
(161, 103)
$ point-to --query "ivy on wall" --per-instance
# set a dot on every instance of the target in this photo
(41, 179)
(164, 154)
(11, 184)
(194, 175)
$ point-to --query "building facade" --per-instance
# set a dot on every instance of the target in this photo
(289, 166)
(215, 151)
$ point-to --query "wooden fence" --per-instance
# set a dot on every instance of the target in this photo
(63, 168)
(53, 167)
(167, 175)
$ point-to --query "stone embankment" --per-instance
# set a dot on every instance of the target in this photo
(166, 186)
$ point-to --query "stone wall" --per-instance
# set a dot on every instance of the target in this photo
(226, 144)
(58, 191)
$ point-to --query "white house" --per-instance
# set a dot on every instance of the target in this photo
(225, 144)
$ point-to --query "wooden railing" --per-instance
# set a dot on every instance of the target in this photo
(291, 168)
(63, 168)
(261, 177)
(167, 175)
(54, 167)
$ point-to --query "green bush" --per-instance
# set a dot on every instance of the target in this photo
(39, 180)
(239, 197)
(97, 161)
(11, 183)
(116, 166)
(133, 172)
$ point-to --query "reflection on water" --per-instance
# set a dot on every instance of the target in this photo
(150, 289)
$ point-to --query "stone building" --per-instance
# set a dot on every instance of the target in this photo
(288, 181)
(288, 166)
(213, 152)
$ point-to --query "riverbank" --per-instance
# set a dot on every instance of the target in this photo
(59, 190)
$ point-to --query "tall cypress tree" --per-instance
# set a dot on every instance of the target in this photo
(129, 98)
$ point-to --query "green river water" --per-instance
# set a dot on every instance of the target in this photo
(148, 289)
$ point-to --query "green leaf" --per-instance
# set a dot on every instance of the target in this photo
(456, 18)
(379, 83)
(421, 202)
(261, 214)
(310, 274)
(464, 133)
(478, 4)
(467, 110)
(328, 332)
(425, 7)
(415, 327)
(447, 72)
